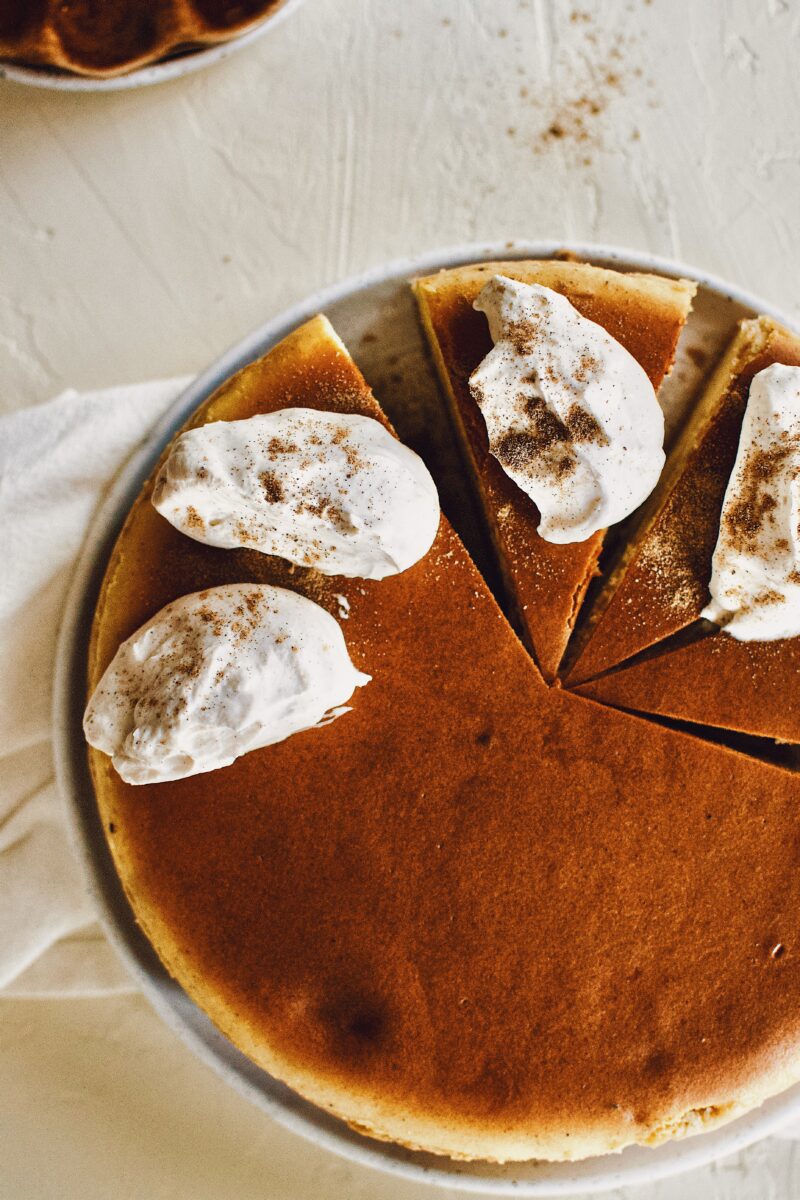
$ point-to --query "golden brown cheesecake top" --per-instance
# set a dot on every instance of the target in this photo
(661, 582)
(109, 37)
(473, 914)
(545, 582)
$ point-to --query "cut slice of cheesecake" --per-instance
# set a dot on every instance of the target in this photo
(707, 677)
(743, 687)
(434, 916)
(660, 583)
(545, 583)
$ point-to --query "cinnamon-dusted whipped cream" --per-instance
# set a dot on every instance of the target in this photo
(320, 489)
(755, 582)
(216, 674)
(572, 417)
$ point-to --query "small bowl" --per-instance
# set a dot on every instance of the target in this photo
(184, 63)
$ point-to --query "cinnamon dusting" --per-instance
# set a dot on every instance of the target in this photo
(522, 335)
(272, 487)
(520, 450)
(209, 617)
(583, 427)
(587, 366)
(277, 445)
(194, 520)
(753, 510)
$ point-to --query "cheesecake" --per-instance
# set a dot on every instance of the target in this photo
(544, 583)
(472, 915)
(105, 39)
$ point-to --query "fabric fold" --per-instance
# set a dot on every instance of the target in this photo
(56, 462)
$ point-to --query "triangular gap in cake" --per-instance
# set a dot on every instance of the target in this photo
(545, 583)
(658, 583)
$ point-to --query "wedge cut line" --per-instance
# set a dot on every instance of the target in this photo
(744, 687)
(770, 751)
(688, 636)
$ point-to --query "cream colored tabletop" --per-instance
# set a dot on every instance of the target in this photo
(142, 232)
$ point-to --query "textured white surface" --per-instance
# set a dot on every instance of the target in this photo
(141, 233)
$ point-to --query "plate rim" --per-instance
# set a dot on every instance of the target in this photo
(114, 912)
(150, 74)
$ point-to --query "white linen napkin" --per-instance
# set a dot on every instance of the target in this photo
(56, 462)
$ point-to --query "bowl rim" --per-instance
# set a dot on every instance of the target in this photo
(145, 76)
(635, 1165)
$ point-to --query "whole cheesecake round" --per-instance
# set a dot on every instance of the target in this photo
(104, 38)
(476, 914)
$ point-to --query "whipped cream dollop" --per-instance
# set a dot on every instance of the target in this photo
(216, 674)
(321, 489)
(572, 417)
(755, 580)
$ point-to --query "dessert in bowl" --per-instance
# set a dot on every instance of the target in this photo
(109, 39)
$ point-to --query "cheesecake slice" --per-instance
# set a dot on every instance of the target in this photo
(659, 584)
(741, 687)
(545, 583)
(473, 914)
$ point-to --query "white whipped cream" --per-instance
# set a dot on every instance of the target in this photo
(320, 489)
(755, 581)
(214, 675)
(572, 417)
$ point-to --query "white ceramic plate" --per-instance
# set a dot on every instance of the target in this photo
(376, 317)
(160, 72)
